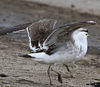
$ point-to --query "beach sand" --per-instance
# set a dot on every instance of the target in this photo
(20, 72)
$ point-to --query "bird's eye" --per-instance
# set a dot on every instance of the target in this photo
(86, 34)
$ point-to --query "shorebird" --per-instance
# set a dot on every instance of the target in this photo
(55, 46)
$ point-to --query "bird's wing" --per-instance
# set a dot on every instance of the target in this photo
(40, 30)
(62, 34)
(15, 28)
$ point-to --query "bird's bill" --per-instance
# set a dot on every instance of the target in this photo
(88, 36)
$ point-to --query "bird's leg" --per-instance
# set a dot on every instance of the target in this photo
(48, 71)
(72, 70)
(67, 68)
(59, 75)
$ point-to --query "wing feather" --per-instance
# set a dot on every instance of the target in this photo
(15, 28)
(40, 30)
(63, 33)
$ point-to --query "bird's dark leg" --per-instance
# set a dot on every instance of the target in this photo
(48, 71)
(67, 68)
(72, 71)
(59, 75)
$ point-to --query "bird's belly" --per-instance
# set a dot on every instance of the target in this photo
(63, 57)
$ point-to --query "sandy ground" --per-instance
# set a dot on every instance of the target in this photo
(27, 73)
(89, 6)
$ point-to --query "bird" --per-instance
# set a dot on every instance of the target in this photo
(83, 48)
(52, 45)
(96, 84)
(59, 47)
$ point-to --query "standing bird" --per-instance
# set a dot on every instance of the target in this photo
(54, 46)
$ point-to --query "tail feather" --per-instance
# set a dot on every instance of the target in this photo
(26, 56)
(39, 57)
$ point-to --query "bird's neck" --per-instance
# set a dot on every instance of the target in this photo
(75, 39)
(84, 43)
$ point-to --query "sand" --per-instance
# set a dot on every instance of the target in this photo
(27, 73)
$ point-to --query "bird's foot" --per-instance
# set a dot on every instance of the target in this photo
(60, 78)
(72, 76)
(51, 84)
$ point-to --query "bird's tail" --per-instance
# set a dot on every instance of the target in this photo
(25, 56)
(39, 57)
